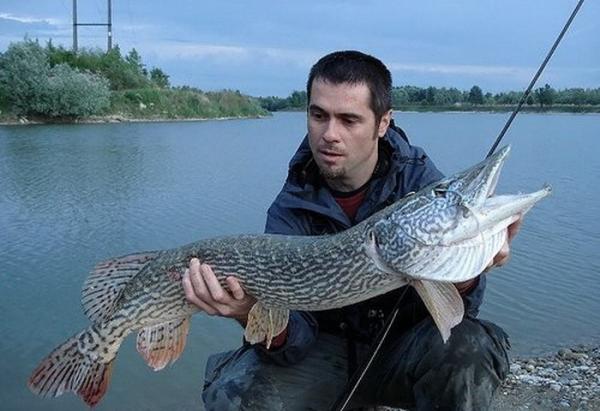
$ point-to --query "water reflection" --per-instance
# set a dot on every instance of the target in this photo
(74, 195)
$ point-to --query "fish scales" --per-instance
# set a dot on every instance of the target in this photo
(445, 233)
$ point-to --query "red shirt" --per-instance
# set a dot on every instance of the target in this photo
(350, 202)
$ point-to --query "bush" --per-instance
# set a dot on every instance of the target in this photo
(24, 73)
(75, 94)
(30, 86)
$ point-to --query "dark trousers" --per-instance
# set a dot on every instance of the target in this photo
(413, 370)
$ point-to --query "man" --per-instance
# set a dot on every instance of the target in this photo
(352, 163)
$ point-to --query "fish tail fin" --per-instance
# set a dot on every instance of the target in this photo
(71, 367)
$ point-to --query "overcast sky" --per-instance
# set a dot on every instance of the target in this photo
(267, 47)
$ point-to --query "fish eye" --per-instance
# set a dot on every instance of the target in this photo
(440, 190)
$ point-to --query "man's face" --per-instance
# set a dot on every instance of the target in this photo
(343, 133)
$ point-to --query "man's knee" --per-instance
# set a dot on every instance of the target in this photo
(477, 345)
(464, 372)
(232, 382)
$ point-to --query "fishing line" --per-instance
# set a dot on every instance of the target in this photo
(534, 79)
(358, 376)
(344, 399)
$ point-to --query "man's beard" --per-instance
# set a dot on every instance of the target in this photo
(336, 174)
(340, 172)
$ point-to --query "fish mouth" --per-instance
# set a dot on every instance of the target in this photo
(482, 179)
(500, 207)
(484, 211)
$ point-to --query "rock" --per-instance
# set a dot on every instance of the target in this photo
(581, 368)
(530, 367)
(563, 352)
(555, 387)
(565, 404)
(515, 368)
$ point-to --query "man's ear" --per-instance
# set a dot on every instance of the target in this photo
(384, 123)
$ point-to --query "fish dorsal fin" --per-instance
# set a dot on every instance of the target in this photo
(264, 323)
(163, 343)
(443, 302)
(105, 283)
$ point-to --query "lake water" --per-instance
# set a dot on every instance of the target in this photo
(71, 196)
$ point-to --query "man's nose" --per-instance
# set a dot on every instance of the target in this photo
(332, 132)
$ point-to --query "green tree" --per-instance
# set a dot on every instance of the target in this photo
(545, 95)
(530, 100)
(430, 93)
(134, 59)
(475, 95)
(297, 99)
(159, 78)
(399, 97)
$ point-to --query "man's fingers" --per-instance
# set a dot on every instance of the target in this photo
(198, 284)
(194, 265)
(503, 255)
(190, 294)
(501, 258)
(236, 288)
(214, 287)
(514, 228)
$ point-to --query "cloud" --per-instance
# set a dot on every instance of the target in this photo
(462, 69)
(30, 20)
(233, 53)
(198, 51)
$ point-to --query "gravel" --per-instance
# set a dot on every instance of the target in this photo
(566, 380)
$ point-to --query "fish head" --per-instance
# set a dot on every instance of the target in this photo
(456, 211)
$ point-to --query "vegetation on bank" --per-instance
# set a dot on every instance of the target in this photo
(407, 98)
(53, 83)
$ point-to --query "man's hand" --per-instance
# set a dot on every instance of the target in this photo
(499, 259)
(202, 288)
(504, 254)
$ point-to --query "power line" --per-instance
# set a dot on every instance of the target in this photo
(108, 25)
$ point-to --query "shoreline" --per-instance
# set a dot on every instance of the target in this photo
(568, 379)
(116, 119)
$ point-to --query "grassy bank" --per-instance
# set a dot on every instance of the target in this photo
(181, 104)
(52, 84)
(157, 104)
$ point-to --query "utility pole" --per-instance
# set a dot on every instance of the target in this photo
(74, 26)
(109, 34)
(108, 24)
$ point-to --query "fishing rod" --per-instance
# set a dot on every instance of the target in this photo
(344, 399)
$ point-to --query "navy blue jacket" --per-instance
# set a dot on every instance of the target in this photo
(305, 206)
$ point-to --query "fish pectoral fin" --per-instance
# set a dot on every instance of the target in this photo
(443, 302)
(162, 344)
(264, 323)
(104, 285)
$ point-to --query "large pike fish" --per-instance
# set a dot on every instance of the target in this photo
(447, 232)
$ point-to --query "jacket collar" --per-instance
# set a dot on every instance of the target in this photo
(304, 188)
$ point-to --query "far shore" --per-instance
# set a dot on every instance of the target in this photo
(112, 119)
(9, 120)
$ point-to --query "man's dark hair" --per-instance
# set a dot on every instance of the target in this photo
(354, 67)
